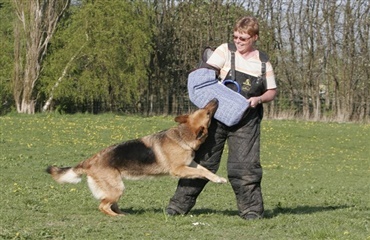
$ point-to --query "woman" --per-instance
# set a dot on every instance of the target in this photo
(243, 166)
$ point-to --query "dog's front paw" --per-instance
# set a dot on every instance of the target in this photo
(221, 180)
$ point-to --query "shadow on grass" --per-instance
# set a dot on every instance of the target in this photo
(299, 210)
(192, 212)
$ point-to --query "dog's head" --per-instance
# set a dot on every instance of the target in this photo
(198, 122)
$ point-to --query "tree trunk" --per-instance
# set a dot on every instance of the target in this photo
(50, 99)
(38, 20)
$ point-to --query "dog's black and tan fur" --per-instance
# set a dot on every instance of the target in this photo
(166, 152)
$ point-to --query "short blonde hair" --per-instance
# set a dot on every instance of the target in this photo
(247, 25)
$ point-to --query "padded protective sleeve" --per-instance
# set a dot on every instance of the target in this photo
(203, 86)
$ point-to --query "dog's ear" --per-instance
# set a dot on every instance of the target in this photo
(182, 118)
(200, 133)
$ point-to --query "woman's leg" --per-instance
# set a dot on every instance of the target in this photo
(244, 168)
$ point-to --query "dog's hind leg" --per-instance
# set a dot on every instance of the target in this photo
(106, 206)
(116, 209)
(107, 188)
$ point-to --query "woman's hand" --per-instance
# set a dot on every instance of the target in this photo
(254, 101)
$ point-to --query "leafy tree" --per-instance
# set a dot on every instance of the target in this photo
(6, 56)
(110, 46)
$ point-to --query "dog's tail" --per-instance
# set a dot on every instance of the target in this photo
(66, 174)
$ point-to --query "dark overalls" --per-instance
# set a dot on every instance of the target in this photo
(243, 164)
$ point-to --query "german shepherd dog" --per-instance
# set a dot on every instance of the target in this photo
(169, 152)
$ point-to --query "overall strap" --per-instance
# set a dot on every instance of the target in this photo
(262, 55)
(264, 58)
(232, 49)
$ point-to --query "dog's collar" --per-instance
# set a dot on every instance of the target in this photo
(185, 145)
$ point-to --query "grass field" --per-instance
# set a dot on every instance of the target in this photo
(316, 183)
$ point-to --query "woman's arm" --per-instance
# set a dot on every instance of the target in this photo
(268, 96)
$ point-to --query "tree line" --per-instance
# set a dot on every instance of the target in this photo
(134, 56)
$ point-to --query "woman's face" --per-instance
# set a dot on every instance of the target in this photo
(244, 42)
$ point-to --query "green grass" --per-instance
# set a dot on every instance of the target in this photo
(316, 183)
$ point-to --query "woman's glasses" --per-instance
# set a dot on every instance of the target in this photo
(242, 39)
